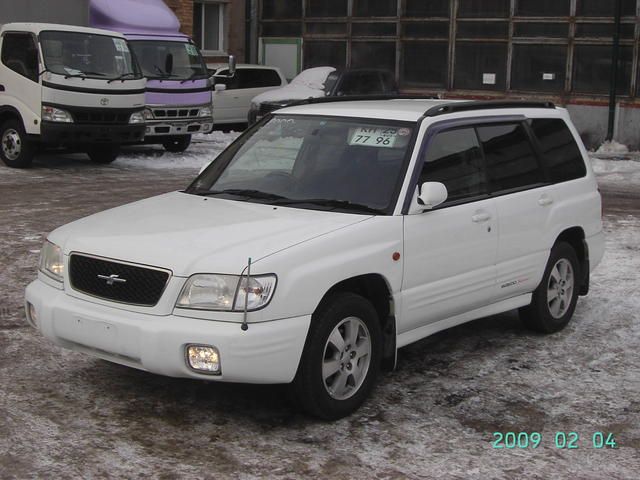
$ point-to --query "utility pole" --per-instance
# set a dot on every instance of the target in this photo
(615, 56)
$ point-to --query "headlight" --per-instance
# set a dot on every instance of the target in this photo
(227, 292)
(206, 112)
(52, 114)
(148, 114)
(137, 117)
(52, 261)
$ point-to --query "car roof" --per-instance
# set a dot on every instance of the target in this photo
(411, 110)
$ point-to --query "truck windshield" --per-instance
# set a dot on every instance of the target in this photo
(169, 60)
(331, 163)
(76, 54)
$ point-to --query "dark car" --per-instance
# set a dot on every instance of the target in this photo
(327, 82)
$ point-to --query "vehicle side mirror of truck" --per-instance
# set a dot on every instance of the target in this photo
(219, 87)
(428, 197)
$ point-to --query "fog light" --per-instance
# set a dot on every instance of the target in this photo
(203, 359)
(32, 315)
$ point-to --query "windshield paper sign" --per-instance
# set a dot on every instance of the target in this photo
(373, 137)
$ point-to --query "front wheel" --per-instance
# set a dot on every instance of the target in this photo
(104, 155)
(555, 299)
(16, 150)
(341, 358)
(177, 144)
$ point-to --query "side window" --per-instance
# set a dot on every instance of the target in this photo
(360, 83)
(19, 53)
(561, 154)
(454, 158)
(261, 78)
(231, 83)
(511, 160)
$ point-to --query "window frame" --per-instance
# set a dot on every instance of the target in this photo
(36, 43)
(222, 36)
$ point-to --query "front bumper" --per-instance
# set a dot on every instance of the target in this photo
(267, 352)
(164, 128)
(78, 134)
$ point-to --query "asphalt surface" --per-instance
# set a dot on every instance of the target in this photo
(65, 415)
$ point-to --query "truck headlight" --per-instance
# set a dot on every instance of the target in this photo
(227, 292)
(53, 114)
(52, 261)
(137, 117)
(148, 114)
(206, 112)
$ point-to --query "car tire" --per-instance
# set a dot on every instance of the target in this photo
(341, 358)
(104, 155)
(16, 150)
(177, 144)
(554, 301)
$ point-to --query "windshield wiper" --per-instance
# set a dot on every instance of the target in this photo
(193, 76)
(242, 193)
(83, 75)
(323, 202)
(122, 77)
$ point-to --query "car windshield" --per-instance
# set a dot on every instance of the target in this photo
(313, 162)
(169, 60)
(87, 55)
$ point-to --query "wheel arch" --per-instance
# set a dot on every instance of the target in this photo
(375, 288)
(8, 113)
(575, 237)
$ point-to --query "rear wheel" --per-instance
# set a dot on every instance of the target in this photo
(16, 150)
(177, 144)
(554, 301)
(341, 359)
(103, 155)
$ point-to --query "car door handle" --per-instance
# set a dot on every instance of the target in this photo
(545, 201)
(481, 217)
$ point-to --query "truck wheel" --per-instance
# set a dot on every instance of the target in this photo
(177, 144)
(16, 151)
(555, 298)
(341, 358)
(104, 155)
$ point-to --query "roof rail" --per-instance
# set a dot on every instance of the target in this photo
(353, 98)
(455, 107)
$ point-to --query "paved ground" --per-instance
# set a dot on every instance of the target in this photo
(64, 415)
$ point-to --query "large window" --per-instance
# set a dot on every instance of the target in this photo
(454, 159)
(325, 53)
(375, 8)
(481, 66)
(208, 26)
(484, 8)
(511, 161)
(592, 69)
(19, 53)
(432, 70)
(543, 8)
(279, 9)
(431, 8)
(323, 8)
(603, 8)
(374, 54)
(539, 68)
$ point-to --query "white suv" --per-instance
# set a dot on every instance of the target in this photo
(325, 238)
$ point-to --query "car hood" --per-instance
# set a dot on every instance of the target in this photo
(190, 234)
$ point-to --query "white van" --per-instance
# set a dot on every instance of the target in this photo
(327, 237)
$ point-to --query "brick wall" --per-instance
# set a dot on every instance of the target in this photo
(184, 11)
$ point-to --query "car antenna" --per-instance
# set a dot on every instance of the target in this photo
(245, 325)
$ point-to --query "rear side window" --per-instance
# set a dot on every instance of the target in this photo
(454, 159)
(251, 78)
(19, 53)
(360, 83)
(561, 154)
(511, 160)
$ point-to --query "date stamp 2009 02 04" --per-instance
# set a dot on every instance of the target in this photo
(560, 440)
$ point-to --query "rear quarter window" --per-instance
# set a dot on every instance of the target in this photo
(560, 152)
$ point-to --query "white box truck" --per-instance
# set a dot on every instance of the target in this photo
(66, 86)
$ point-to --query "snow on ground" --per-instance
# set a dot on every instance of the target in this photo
(612, 147)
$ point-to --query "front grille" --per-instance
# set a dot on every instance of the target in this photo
(98, 117)
(141, 285)
(176, 112)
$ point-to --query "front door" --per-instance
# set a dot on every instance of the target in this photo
(450, 252)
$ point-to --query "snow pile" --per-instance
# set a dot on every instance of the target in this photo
(203, 150)
(308, 84)
(612, 147)
(616, 171)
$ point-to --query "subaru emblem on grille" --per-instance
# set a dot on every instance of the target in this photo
(104, 102)
(112, 279)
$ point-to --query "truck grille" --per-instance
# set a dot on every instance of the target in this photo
(176, 112)
(119, 282)
(101, 117)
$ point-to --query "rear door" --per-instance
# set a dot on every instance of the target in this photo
(524, 200)
(450, 252)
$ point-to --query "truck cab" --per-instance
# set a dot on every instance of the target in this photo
(179, 97)
(66, 86)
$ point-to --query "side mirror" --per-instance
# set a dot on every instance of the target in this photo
(220, 87)
(232, 65)
(431, 195)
